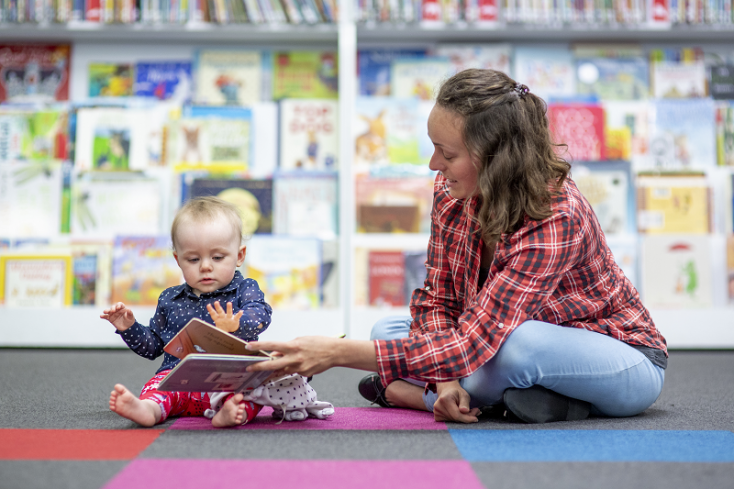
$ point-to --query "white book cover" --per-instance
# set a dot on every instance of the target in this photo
(546, 71)
(626, 250)
(309, 134)
(30, 199)
(419, 77)
(264, 139)
(679, 80)
(608, 191)
(104, 208)
(112, 139)
(13, 128)
(482, 56)
(676, 271)
(305, 206)
(287, 269)
(683, 134)
(228, 77)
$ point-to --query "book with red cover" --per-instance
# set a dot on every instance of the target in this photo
(581, 127)
(34, 72)
(386, 278)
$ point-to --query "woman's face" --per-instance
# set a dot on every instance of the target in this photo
(451, 157)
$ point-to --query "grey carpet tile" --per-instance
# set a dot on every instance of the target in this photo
(607, 475)
(306, 444)
(32, 474)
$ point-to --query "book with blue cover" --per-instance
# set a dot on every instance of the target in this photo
(547, 71)
(164, 80)
(374, 68)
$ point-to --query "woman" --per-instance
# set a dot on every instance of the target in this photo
(523, 306)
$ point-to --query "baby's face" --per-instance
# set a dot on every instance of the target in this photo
(208, 253)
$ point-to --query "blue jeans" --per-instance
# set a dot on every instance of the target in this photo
(615, 378)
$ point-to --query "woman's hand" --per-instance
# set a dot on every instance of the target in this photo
(226, 321)
(453, 404)
(310, 355)
(120, 316)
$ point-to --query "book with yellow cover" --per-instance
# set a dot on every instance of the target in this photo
(674, 204)
(36, 280)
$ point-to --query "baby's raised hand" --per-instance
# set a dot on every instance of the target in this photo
(226, 321)
(119, 315)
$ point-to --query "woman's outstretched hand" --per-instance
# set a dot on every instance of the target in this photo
(310, 355)
(453, 404)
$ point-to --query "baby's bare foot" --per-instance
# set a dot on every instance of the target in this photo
(127, 405)
(231, 414)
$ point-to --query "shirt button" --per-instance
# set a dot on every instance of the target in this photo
(500, 325)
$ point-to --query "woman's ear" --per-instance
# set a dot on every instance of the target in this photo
(241, 255)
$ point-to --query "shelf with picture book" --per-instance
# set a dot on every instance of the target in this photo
(655, 162)
(101, 143)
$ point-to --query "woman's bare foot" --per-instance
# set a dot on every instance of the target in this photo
(127, 405)
(231, 414)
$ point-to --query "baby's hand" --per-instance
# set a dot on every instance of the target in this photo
(120, 316)
(225, 321)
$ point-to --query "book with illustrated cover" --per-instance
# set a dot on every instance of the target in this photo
(47, 137)
(674, 204)
(722, 81)
(546, 71)
(374, 68)
(309, 135)
(581, 127)
(482, 56)
(142, 268)
(111, 79)
(305, 74)
(607, 185)
(34, 72)
(633, 118)
(198, 336)
(106, 207)
(213, 372)
(676, 272)
(92, 270)
(419, 77)
(613, 78)
(305, 206)
(679, 80)
(683, 134)
(386, 132)
(164, 80)
(228, 77)
(209, 143)
(625, 250)
(36, 279)
(393, 205)
(386, 278)
(253, 198)
(287, 269)
(724, 133)
(111, 138)
(30, 199)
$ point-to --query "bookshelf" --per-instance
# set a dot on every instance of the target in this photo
(80, 326)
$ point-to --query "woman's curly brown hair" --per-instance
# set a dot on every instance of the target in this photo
(506, 129)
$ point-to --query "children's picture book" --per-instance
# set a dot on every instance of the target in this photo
(613, 78)
(111, 139)
(581, 127)
(386, 132)
(633, 118)
(625, 250)
(607, 185)
(209, 143)
(386, 278)
(721, 85)
(393, 205)
(142, 268)
(34, 72)
(674, 204)
(309, 135)
(253, 198)
(111, 79)
(164, 80)
(212, 372)
(306, 205)
(198, 336)
(724, 133)
(41, 279)
(683, 134)
(92, 269)
(483, 56)
(679, 80)
(374, 67)
(305, 74)
(30, 199)
(676, 271)
(419, 77)
(228, 77)
(546, 71)
(287, 269)
(106, 207)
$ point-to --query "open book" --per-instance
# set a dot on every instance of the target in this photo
(212, 360)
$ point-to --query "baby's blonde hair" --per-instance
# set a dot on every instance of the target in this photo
(202, 209)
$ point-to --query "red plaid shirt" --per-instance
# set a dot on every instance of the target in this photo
(558, 270)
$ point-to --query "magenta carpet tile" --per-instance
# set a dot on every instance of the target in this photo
(301, 474)
(345, 418)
